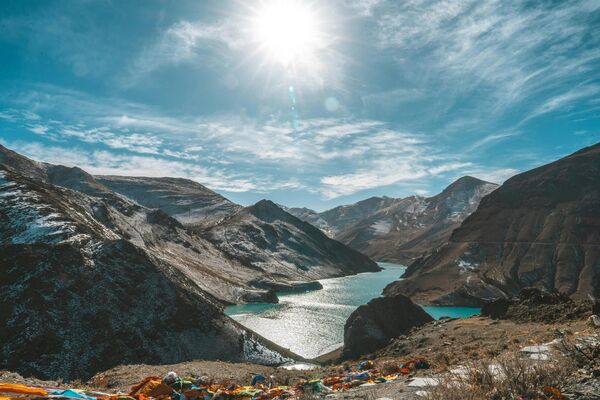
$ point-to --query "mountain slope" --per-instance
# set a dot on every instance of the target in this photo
(183, 199)
(77, 297)
(401, 230)
(273, 241)
(540, 228)
(225, 274)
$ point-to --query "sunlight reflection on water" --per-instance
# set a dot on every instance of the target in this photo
(312, 323)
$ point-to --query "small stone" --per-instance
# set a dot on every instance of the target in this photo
(594, 321)
(423, 382)
(536, 349)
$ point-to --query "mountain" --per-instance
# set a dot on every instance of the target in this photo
(343, 217)
(310, 216)
(83, 288)
(267, 238)
(183, 199)
(228, 275)
(90, 275)
(401, 230)
(541, 228)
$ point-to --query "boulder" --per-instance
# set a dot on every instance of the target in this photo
(495, 309)
(371, 326)
(536, 296)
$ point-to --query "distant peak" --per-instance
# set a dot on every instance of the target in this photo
(467, 181)
(264, 203)
(266, 210)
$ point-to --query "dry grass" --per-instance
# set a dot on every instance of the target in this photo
(510, 377)
(517, 377)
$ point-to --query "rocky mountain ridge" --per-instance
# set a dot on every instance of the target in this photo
(401, 230)
(541, 228)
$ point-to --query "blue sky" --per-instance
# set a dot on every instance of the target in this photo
(392, 98)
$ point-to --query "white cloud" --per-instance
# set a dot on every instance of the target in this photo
(364, 8)
(563, 100)
(491, 139)
(506, 55)
(108, 163)
(30, 115)
(182, 41)
(330, 156)
(38, 129)
(385, 173)
(134, 142)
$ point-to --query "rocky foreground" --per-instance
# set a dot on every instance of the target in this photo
(533, 359)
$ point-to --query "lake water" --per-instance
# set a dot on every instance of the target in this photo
(312, 323)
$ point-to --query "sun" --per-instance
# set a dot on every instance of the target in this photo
(286, 30)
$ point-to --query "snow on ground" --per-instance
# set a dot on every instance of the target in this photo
(466, 266)
(256, 352)
(30, 220)
(381, 227)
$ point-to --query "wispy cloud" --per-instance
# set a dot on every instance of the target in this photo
(384, 173)
(492, 139)
(563, 100)
(109, 163)
(499, 56)
(238, 153)
(186, 41)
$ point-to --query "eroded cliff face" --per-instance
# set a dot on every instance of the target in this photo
(541, 228)
(84, 287)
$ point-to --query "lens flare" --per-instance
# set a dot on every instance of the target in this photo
(286, 30)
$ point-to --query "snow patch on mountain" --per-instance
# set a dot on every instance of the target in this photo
(29, 220)
(381, 227)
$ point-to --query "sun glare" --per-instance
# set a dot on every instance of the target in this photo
(286, 30)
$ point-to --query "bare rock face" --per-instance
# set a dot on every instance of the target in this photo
(596, 307)
(540, 228)
(401, 230)
(371, 326)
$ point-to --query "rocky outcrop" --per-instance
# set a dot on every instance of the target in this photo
(540, 228)
(535, 305)
(371, 326)
(401, 230)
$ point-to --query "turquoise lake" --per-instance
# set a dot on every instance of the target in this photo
(312, 323)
